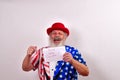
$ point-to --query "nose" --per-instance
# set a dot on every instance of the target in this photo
(57, 34)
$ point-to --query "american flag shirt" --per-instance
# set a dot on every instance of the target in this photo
(63, 70)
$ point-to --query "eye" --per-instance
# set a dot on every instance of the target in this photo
(53, 33)
(60, 33)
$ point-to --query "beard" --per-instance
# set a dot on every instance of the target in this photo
(52, 44)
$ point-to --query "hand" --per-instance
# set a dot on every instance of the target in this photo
(67, 57)
(31, 50)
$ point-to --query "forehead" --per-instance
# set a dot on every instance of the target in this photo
(57, 31)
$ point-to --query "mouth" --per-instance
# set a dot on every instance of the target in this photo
(57, 39)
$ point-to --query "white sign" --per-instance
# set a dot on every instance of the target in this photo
(54, 53)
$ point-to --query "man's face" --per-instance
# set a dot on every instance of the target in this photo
(57, 37)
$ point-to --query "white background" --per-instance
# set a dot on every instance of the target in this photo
(94, 27)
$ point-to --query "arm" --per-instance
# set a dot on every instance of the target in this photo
(81, 68)
(26, 65)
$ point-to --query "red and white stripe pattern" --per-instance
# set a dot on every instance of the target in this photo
(37, 61)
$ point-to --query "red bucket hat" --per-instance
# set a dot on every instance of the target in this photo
(58, 26)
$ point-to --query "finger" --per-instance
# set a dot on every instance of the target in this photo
(31, 50)
(67, 55)
(67, 59)
(35, 47)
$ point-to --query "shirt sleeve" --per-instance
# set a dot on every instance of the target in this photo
(77, 55)
(35, 59)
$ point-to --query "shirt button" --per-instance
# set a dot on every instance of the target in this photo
(52, 69)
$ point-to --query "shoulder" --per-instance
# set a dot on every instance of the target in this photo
(43, 47)
(70, 48)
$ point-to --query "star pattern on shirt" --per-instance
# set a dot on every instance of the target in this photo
(64, 70)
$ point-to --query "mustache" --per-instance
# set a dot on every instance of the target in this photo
(57, 38)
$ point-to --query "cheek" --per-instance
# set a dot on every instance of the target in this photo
(63, 37)
(52, 36)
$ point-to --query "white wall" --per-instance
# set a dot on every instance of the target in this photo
(94, 26)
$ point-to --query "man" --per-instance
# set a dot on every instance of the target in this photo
(66, 69)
